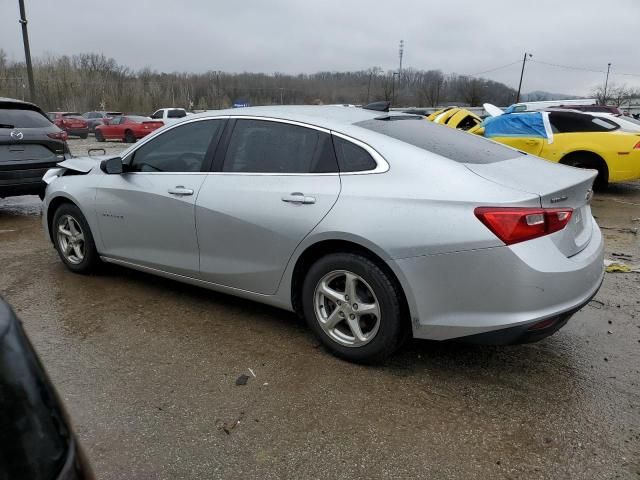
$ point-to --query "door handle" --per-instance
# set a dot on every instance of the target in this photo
(180, 191)
(298, 198)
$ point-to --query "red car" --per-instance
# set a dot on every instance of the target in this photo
(127, 128)
(70, 122)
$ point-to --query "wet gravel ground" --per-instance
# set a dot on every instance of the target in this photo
(147, 368)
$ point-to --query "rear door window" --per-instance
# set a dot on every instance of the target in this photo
(19, 118)
(181, 149)
(261, 146)
(445, 141)
(176, 114)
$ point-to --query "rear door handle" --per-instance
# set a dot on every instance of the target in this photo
(299, 198)
(180, 191)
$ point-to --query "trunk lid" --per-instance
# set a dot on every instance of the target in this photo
(558, 186)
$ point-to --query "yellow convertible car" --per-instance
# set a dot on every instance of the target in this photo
(572, 138)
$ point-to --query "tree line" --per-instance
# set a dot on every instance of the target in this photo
(91, 81)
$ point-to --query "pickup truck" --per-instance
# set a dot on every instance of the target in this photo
(169, 115)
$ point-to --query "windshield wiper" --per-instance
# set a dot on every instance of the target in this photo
(6, 125)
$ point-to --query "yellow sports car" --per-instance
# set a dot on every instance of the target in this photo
(571, 138)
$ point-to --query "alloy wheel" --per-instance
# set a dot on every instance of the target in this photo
(346, 308)
(71, 239)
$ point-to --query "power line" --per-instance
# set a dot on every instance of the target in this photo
(493, 69)
(583, 69)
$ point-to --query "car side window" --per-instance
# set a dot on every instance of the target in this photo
(261, 146)
(181, 149)
(115, 121)
(351, 157)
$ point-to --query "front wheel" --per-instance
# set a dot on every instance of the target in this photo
(354, 307)
(99, 136)
(73, 239)
(129, 137)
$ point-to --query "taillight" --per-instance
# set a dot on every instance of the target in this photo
(637, 146)
(58, 135)
(515, 224)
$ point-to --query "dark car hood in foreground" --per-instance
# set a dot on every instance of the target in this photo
(35, 438)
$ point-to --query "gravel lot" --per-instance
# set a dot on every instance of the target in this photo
(147, 368)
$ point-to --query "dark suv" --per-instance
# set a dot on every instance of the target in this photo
(29, 145)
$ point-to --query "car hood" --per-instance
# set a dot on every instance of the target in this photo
(84, 164)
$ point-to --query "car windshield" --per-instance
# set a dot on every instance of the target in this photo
(445, 141)
(20, 118)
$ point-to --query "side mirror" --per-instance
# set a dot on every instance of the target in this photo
(112, 166)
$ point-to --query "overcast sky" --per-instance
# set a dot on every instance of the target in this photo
(308, 36)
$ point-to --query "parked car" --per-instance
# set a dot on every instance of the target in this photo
(577, 139)
(97, 118)
(36, 438)
(371, 225)
(169, 115)
(127, 128)
(593, 108)
(29, 145)
(70, 122)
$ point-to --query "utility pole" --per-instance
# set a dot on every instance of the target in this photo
(401, 54)
(524, 61)
(27, 51)
(606, 83)
(281, 95)
(393, 87)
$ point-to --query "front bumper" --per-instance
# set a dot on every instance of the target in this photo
(486, 290)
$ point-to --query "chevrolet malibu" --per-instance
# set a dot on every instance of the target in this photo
(371, 225)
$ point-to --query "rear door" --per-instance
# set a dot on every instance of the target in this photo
(275, 182)
(531, 145)
(146, 215)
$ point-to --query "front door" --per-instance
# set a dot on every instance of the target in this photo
(276, 183)
(146, 215)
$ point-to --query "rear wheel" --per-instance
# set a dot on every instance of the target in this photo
(84, 135)
(129, 137)
(73, 239)
(354, 307)
(592, 161)
(99, 136)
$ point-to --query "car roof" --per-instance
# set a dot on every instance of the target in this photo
(18, 104)
(328, 117)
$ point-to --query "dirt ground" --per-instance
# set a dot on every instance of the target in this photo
(147, 369)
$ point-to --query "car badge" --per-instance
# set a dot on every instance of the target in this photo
(17, 134)
(589, 196)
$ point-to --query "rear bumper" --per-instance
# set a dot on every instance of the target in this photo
(495, 289)
(77, 131)
(23, 181)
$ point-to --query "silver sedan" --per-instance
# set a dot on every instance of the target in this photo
(371, 225)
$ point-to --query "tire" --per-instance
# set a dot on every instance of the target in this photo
(129, 137)
(84, 135)
(99, 136)
(381, 334)
(592, 161)
(84, 259)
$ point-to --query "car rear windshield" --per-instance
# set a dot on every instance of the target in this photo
(445, 141)
(20, 118)
(72, 114)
